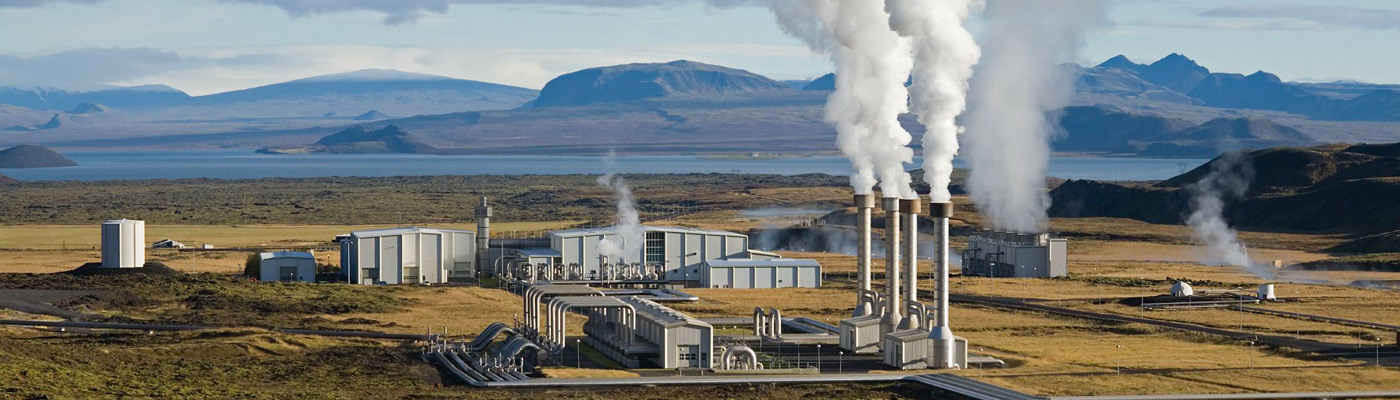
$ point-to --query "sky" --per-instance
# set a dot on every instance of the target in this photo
(211, 46)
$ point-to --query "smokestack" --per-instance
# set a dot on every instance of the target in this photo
(483, 238)
(941, 335)
(864, 202)
(892, 318)
(911, 209)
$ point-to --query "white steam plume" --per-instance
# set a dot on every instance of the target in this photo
(626, 245)
(944, 53)
(872, 63)
(1227, 180)
(1016, 85)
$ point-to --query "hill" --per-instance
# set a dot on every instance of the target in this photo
(371, 115)
(1109, 130)
(33, 156)
(389, 91)
(5, 179)
(645, 81)
(1331, 188)
(361, 140)
(120, 97)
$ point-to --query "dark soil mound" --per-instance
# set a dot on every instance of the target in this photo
(150, 268)
(33, 156)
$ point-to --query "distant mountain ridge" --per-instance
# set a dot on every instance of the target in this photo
(1106, 130)
(390, 91)
(645, 81)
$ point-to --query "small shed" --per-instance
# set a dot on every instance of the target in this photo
(287, 266)
(753, 273)
(168, 244)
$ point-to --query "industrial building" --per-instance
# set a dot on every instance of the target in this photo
(748, 273)
(123, 243)
(680, 250)
(409, 255)
(658, 336)
(1001, 254)
(670, 254)
(287, 266)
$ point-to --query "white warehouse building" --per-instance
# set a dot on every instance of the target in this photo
(682, 251)
(1001, 254)
(287, 266)
(408, 255)
(123, 243)
(761, 273)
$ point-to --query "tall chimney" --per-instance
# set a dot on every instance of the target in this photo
(864, 202)
(941, 336)
(483, 239)
(892, 318)
(911, 209)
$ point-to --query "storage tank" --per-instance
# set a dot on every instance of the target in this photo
(123, 243)
(1266, 291)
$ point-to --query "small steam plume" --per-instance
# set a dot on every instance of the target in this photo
(630, 237)
(872, 64)
(944, 53)
(1228, 180)
(1016, 85)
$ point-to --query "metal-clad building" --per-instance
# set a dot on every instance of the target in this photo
(123, 243)
(1014, 255)
(681, 250)
(660, 335)
(408, 255)
(287, 266)
(761, 273)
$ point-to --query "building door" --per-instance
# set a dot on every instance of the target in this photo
(287, 274)
(688, 356)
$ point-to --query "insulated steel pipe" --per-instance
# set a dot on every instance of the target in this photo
(940, 334)
(864, 203)
(892, 318)
(910, 209)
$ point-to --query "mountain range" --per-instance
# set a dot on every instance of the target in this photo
(1172, 107)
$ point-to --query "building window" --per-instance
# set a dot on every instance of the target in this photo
(656, 247)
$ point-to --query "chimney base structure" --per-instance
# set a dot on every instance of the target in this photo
(892, 318)
(910, 209)
(862, 332)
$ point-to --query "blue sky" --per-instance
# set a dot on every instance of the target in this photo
(207, 46)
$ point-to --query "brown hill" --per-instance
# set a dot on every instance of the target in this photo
(1333, 188)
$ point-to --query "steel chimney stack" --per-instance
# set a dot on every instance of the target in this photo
(911, 208)
(892, 318)
(940, 334)
(864, 203)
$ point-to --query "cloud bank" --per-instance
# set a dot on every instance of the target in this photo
(396, 12)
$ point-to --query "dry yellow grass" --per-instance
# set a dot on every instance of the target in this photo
(566, 372)
(463, 310)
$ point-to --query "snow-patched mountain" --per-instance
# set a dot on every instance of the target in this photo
(629, 82)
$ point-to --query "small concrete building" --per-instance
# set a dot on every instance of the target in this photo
(748, 273)
(123, 243)
(287, 266)
(1001, 254)
(861, 334)
(660, 336)
(682, 251)
(408, 255)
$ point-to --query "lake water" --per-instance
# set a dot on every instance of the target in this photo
(238, 164)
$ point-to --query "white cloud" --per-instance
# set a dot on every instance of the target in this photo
(87, 68)
(398, 12)
(1318, 17)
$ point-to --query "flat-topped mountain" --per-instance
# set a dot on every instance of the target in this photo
(361, 140)
(645, 81)
(33, 156)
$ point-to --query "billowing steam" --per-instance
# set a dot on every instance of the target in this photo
(1227, 180)
(1018, 83)
(944, 53)
(627, 243)
(872, 64)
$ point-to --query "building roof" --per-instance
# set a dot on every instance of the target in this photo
(538, 252)
(287, 254)
(753, 262)
(661, 314)
(402, 231)
(612, 230)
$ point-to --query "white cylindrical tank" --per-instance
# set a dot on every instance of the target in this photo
(1266, 291)
(123, 243)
